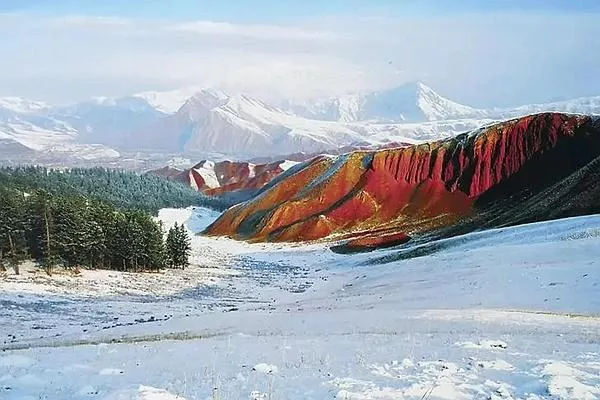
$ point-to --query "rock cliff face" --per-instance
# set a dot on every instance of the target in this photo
(417, 189)
(219, 178)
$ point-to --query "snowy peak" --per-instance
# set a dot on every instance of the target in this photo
(209, 98)
(240, 126)
(170, 101)
(210, 122)
(239, 105)
(241, 102)
(198, 105)
(17, 104)
(436, 107)
(411, 102)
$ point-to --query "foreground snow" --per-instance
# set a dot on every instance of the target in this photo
(505, 314)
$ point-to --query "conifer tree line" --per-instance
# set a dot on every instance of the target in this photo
(123, 189)
(71, 230)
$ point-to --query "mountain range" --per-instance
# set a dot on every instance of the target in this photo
(411, 102)
(211, 123)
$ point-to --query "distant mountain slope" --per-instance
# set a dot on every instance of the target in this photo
(106, 120)
(214, 124)
(415, 102)
(84, 131)
(582, 105)
(32, 135)
(170, 101)
(215, 121)
(21, 105)
(11, 150)
(411, 102)
(448, 185)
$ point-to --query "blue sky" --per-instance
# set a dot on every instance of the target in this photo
(285, 10)
(479, 52)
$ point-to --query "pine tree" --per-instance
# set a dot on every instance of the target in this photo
(152, 245)
(185, 247)
(41, 229)
(100, 219)
(12, 229)
(170, 246)
(50, 255)
(93, 218)
(178, 247)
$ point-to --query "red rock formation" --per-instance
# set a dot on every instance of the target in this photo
(236, 175)
(299, 157)
(412, 189)
(371, 242)
(215, 179)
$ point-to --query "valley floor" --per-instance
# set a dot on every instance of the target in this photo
(505, 314)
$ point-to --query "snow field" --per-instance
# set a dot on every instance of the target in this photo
(503, 314)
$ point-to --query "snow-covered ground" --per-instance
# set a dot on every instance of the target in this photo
(505, 314)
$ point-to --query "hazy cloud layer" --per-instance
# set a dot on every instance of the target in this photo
(478, 58)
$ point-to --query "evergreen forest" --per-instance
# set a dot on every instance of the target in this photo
(92, 218)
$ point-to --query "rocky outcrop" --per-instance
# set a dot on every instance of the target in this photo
(417, 189)
(371, 242)
(220, 178)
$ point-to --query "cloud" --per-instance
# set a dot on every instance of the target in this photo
(196, 27)
(267, 32)
(85, 21)
(483, 59)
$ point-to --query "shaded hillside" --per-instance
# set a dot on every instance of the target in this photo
(527, 169)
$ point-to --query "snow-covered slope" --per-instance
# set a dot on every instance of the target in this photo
(38, 133)
(416, 132)
(214, 124)
(83, 131)
(499, 315)
(582, 105)
(107, 120)
(239, 125)
(416, 102)
(411, 102)
(170, 101)
(36, 136)
(206, 170)
(21, 105)
(233, 126)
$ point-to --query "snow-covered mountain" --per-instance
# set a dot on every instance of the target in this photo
(107, 120)
(239, 125)
(411, 102)
(581, 105)
(21, 105)
(213, 123)
(170, 101)
(30, 130)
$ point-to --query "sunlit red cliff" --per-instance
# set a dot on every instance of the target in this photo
(382, 197)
